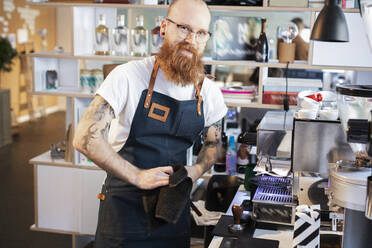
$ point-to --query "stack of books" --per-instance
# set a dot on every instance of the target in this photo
(274, 89)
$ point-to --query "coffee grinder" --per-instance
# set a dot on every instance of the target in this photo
(350, 180)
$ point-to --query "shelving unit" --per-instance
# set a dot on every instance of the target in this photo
(211, 7)
(298, 64)
(78, 205)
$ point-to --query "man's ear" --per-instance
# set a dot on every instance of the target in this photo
(163, 27)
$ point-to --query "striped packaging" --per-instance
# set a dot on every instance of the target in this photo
(306, 228)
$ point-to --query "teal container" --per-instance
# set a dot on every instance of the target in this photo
(249, 173)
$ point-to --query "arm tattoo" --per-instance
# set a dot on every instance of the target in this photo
(212, 142)
(100, 115)
(217, 128)
(102, 111)
(89, 136)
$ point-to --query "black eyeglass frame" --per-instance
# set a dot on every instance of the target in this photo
(183, 25)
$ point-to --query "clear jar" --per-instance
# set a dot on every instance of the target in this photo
(97, 79)
(85, 78)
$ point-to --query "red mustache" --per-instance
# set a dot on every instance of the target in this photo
(187, 47)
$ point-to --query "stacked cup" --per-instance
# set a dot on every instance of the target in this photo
(308, 107)
(313, 104)
(328, 109)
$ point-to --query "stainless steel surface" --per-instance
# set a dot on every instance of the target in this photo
(277, 120)
(273, 195)
(317, 143)
(271, 131)
(273, 200)
(368, 211)
(348, 186)
(273, 190)
(235, 228)
(310, 189)
(269, 181)
(357, 230)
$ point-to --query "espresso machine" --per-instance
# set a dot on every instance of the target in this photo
(350, 181)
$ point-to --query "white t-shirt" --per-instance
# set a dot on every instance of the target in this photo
(123, 87)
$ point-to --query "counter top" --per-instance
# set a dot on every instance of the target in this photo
(284, 235)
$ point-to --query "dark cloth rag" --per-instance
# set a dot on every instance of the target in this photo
(168, 203)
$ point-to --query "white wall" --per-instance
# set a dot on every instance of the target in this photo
(356, 52)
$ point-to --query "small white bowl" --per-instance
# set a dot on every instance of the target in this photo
(328, 114)
(310, 114)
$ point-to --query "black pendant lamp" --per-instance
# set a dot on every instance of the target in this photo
(331, 24)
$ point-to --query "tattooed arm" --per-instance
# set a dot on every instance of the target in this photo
(91, 140)
(208, 153)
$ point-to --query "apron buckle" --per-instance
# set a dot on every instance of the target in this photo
(101, 196)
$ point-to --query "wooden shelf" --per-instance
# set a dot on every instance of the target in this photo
(209, 61)
(82, 56)
(46, 159)
(38, 229)
(231, 103)
(211, 7)
(62, 92)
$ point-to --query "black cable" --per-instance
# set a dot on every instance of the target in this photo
(286, 99)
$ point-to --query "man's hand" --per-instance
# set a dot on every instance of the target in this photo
(153, 178)
(193, 172)
(208, 153)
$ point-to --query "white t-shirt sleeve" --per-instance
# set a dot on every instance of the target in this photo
(115, 89)
(215, 108)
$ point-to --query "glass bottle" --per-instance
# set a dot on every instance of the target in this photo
(242, 159)
(220, 164)
(156, 39)
(102, 37)
(139, 38)
(231, 157)
(120, 38)
(262, 47)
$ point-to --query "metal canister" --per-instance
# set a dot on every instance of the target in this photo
(368, 211)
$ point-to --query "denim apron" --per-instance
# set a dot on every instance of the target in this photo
(162, 129)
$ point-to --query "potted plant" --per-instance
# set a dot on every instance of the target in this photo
(7, 54)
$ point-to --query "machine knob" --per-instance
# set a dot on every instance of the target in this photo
(358, 131)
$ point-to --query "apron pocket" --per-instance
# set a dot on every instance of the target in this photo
(124, 215)
(190, 124)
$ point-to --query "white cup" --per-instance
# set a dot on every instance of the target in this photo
(328, 96)
(308, 103)
(328, 114)
(306, 114)
(302, 94)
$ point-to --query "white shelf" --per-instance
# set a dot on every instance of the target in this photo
(50, 230)
(82, 56)
(211, 7)
(46, 159)
(231, 103)
(208, 61)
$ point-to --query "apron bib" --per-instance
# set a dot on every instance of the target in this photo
(162, 129)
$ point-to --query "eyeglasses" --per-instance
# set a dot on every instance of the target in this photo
(184, 31)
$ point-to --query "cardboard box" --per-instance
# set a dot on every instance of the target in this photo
(288, 3)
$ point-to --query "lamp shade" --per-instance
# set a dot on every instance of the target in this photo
(331, 24)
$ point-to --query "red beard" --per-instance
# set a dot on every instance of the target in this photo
(178, 67)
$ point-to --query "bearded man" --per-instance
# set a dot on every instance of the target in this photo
(160, 105)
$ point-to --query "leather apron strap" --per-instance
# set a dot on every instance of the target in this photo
(150, 89)
(198, 95)
(151, 84)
